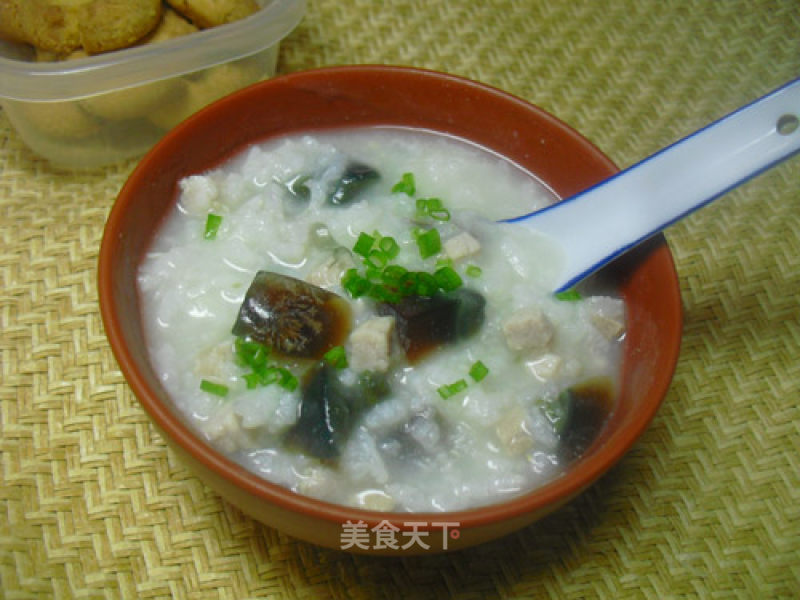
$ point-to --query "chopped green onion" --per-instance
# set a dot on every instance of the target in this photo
(393, 274)
(256, 356)
(383, 293)
(425, 284)
(444, 262)
(269, 375)
(363, 244)
(336, 357)
(389, 247)
(432, 207)
(212, 226)
(376, 259)
(406, 185)
(372, 273)
(478, 371)
(473, 271)
(251, 380)
(429, 243)
(355, 284)
(287, 381)
(214, 388)
(569, 295)
(250, 354)
(448, 279)
(448, 391)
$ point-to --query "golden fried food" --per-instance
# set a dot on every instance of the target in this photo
(143, 100)
(212, 85)
(113, 24)
(46, 24)
(172, 25)
(59, 119)
(210, 13)
(63, 26)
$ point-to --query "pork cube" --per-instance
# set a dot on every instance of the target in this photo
(512, 432)
(546, 366)
(225, 430)
(607, 315)
(370, 345)
(461, 245)
(528, 329)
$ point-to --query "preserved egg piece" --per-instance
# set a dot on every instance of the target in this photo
(579, 413)
(356, 176)
(425, 322)
(292, 317)
(329, 409)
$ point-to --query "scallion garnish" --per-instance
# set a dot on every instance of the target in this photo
(448, 279)
(217, 389)
(449, 390)
(212, 226)
(250, 354)
(251, 380)
(425, 284)
(478, 371)
(432, 207)
(255, 356)
(406, 185)
(355, 284)
(269, 375)
(336, 357)
(444, 262)
(429, 243)
(393, 274)
(569, 295)
(376, 259)
(473, 271)
(363, 244)
(287, 381)
(389, 246)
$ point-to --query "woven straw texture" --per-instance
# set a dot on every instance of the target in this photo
(706, 505)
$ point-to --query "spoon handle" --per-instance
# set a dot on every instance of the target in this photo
(599, 224)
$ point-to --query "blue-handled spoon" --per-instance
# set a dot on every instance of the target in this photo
(617, 214)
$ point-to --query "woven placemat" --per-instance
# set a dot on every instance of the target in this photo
(706, 505)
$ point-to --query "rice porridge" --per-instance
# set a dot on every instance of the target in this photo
(341, 314)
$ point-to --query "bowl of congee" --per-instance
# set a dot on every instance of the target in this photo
(313, 289)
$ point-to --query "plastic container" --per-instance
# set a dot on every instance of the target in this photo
(88, 112)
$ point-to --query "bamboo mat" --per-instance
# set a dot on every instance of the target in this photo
(706, 505)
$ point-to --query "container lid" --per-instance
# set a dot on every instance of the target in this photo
(22, 79)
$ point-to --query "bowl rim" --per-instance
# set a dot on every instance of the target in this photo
(548, 496)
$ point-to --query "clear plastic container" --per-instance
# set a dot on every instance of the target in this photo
(88, 112)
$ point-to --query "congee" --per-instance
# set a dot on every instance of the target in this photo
(342, 314)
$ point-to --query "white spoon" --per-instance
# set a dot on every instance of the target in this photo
(597, 225)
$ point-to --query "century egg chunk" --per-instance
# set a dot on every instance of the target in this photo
(291, 316)
(342, 314)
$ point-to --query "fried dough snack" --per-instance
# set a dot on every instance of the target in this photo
(212, 85)
(148, 98)
(210, 13)
(73, 29)
(63, 26)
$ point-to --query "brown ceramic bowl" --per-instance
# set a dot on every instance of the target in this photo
(376, 95)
